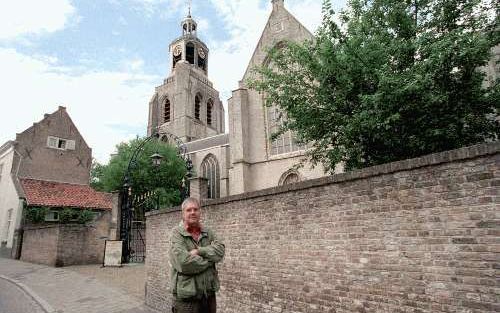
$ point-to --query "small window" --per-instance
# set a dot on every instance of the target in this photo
(59, 143)
(166, 112)
(190, 52)
(197, 101)
(52, 142)
(52, 216)
(9, 223)
(210, 106)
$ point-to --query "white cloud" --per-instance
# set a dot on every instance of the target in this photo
(23, 17)
(244, 21)
(166, 8)
(134, 65)
(107, 107)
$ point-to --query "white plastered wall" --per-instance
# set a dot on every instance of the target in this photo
(9, 199)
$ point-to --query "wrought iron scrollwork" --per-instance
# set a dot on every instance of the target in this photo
(132, 228)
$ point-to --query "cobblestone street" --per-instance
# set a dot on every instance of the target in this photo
(89, 288)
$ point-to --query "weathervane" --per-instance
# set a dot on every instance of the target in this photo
(189, 7)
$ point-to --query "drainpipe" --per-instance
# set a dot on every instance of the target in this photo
(19, 232)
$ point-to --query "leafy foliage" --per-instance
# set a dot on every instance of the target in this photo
(36, 215)
(396, 79)
(165, 180)
(71, 215)
(67, 215)
(85, 216)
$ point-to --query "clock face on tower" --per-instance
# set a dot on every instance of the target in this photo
(201, 53)
(177, 51)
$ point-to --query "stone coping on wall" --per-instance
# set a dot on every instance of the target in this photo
(464, 153)
(32, 227)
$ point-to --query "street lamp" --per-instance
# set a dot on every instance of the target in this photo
(156, 159)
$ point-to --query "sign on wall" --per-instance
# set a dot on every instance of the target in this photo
(113, 253)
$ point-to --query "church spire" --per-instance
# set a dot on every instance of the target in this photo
(188, 48)
(188, 24)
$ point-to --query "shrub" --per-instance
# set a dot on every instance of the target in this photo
(36, 215)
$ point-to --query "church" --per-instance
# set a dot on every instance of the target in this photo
(245, 158)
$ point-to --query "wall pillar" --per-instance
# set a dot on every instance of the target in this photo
(198, 188)
(238, 140)
(114, 225)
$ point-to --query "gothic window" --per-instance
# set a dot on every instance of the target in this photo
(197, 104)
(289, 177)
(210, 171)
(210, 107)
(166, 111)
(190, 52)
(285, 142)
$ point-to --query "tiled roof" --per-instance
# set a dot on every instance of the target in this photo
(54, 194)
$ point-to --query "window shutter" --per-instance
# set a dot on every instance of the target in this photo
(70, 145)
(52, 142)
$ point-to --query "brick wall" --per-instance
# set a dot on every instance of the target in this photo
(419, 235)
(40, 244)
(44, 163)
(63, 245)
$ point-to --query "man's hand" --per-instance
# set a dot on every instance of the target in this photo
(194, 252)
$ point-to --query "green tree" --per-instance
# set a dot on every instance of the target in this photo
(396, 79)
(96, 173)
(165, 180)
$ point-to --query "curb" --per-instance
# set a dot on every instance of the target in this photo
(45, 306)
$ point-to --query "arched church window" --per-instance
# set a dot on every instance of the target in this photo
(289, 177)
(210, 107)
(166, 111)
(210, 171)
(287, 141)
(190, 52)
(197, 104)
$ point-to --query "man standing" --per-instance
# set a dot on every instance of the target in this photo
(194, 250)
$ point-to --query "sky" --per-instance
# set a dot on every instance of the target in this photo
(102, 59)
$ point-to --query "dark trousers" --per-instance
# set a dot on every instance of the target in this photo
(193, 305)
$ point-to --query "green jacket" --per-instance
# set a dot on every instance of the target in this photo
(194, 276)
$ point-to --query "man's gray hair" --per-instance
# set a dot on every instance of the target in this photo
(190, 200)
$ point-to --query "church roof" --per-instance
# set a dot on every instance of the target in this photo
(55, 194)
(205, 143)
(295, 31)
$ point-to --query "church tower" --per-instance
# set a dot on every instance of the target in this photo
(186, 104)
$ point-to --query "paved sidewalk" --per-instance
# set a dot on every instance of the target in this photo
(65, 291)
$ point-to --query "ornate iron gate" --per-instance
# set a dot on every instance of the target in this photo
(134, 207)
(136, 228)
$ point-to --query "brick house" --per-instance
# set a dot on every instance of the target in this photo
(51, 150)
(60, 244)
